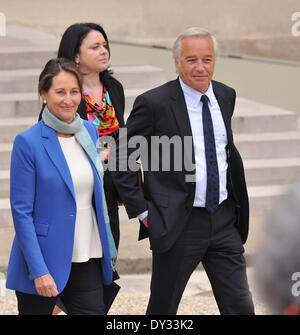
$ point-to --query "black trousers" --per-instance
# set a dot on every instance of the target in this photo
(83, 294)
(214, 241)
(112, 198)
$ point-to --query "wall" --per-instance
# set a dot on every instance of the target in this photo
(256, 27)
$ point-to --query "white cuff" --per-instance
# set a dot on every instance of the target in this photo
(143, 215)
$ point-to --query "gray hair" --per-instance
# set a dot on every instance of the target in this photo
(191, 32)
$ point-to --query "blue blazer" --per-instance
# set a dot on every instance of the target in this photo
(44, 210)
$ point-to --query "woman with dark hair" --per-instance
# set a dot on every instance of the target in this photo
(63, 252)
(103, 98)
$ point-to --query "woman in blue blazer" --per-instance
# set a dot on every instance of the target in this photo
(103, 99)
(63, 248)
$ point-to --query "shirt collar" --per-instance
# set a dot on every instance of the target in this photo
(193, 96)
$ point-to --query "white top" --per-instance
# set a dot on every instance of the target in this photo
(86, 237)
(194, 107)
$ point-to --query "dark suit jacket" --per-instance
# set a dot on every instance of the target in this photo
(116, 93)
(166, 194)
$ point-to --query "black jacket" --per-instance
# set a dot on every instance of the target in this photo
(167, 195)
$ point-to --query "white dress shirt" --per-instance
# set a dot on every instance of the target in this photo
(194, 107)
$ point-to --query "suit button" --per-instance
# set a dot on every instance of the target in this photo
(71, 215)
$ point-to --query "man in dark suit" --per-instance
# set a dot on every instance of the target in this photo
(193, 203)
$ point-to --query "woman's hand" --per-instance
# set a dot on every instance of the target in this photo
(45, 286)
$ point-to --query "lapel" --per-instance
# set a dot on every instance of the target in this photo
(180, 112)
(115, 99)
(179, 109)
(53, 148)
(225, 105)
(82, 109)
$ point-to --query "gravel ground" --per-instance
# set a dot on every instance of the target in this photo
(198, 298)
(128, 304)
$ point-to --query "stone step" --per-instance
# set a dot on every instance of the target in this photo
(5, 213)
(261, 198)
(29, 104)
(10, 127)
(26, 80)
(139, 76)
(5, 152)
(25, 59)
(130, 96)
(264, 198)
(19, 104)
(251, 146)
(19, 81)
(258, 172)
(272, 171)
(244, 121)
(268, 145)
(253, 117)
(4, 183)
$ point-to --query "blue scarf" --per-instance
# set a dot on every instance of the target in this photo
(82, 136)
